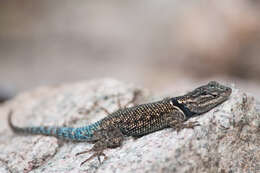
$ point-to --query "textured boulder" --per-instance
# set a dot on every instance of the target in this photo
(228, 139)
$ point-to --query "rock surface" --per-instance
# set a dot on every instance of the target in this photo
(228, 139)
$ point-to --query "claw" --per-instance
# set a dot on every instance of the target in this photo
(83, 152)
(91, 157)
(98, 154)
(101, 154)
(192, 124)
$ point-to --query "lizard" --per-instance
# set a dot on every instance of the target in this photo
(138, 120)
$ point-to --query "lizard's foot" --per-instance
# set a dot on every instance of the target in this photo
(110, 137)
(134, 98)
(96, 154)
(95, 104)
(192, 124)
(132, 101)
(189, 125)
(177, 121)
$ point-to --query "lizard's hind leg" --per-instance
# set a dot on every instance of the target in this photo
(134, 98)
(132, 101)
(110, 137)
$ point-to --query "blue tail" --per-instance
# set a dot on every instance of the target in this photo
(76, 134)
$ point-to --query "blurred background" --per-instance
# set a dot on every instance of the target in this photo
(161, 45)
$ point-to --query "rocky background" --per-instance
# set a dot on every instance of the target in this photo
(161, 45)
(227, 139)
(168, 47)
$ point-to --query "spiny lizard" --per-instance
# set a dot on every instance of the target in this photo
(139, 120)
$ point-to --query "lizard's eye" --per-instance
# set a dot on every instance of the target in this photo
(212, 84)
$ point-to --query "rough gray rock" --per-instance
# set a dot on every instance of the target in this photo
(228, 139)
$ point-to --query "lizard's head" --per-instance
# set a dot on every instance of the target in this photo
(205, 98)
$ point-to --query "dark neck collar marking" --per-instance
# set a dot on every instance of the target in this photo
(184, 109)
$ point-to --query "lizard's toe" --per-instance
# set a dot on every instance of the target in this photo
(96, 154)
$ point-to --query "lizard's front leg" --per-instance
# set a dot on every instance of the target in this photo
(110, 137)
(177, 121)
